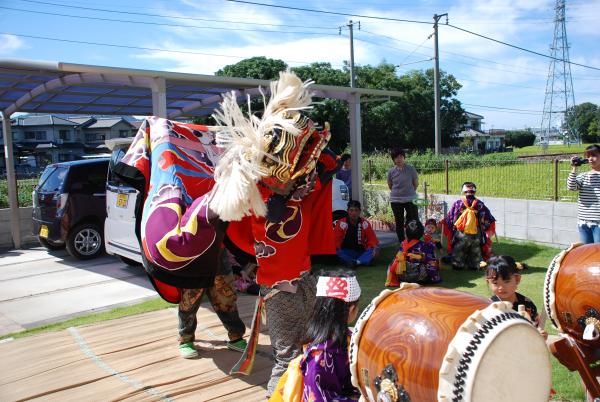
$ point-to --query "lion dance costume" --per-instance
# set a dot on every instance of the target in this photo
(263, 182)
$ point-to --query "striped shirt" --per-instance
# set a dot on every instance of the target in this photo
(588, 185)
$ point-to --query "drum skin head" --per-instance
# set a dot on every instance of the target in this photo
(515, 367)
(448, 346)
(496, 356)
(571, 289)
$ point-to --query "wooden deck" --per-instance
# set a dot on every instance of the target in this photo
(133, 359)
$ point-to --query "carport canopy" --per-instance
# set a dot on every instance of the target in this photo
(67, 88)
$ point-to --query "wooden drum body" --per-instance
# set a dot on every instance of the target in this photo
(449, 346)
(572, 293)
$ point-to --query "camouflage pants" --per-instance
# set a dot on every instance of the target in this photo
(223, 298)
(466, 251)
(287, 314)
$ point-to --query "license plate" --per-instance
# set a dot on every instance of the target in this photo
(122, 200)
(44, 231)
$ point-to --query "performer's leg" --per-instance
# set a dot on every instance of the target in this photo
(459, 252)
(476, 252)
(223, 298)
(286, 319)
(186, 312)
(412, 211)
(398, 210)
(347, 256)
(367, 257)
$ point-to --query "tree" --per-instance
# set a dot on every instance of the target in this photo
(406, 121)
(593, 134)
(259, 68)
(580, 117)
(519, 138)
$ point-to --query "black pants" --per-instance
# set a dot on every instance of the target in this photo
(398, 209)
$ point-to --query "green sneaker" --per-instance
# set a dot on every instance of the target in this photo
(188, 351)
(238, 346)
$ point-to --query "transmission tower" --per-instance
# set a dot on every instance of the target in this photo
(559, 85)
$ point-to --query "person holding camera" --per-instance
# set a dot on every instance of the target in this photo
(588, 185)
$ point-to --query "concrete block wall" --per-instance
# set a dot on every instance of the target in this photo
(547, 222)
(6, 241)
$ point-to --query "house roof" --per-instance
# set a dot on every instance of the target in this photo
(44, 120)
(82, 120)
(108, 123)
(470, 115)
(470, 133)
(137, 123)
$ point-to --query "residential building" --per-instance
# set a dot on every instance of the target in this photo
(480, 142)
(42, 139)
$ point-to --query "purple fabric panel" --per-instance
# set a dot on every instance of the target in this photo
(326, 374)
(187, 245)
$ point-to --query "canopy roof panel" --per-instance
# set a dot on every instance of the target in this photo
(56, 87)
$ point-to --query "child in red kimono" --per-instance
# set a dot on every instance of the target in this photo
(415, 261)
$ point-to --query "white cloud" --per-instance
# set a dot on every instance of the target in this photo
(299, 52)
(10, 44)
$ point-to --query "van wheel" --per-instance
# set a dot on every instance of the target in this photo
(129, 261)
(85, 241)
(50, 245)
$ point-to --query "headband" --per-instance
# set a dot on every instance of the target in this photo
(343, 288)
(469, 187)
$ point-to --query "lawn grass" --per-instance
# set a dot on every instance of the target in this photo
(144, 307)
(565, 383)
(521, 180)
(552, 149)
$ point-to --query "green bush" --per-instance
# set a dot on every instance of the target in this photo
(375, 166)
(24, 189)
(519, 138)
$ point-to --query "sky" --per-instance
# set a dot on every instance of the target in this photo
(503, 84)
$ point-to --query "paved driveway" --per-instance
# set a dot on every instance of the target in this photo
(38, 287)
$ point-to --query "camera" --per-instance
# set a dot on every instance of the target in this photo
(577, 161)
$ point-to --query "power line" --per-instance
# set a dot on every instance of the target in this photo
(504, 108)
(166, 24)
(386, 46)
(411, 53)
(521, 48)
(170, 16)
(414, 62)
(330, 12)
(497, 83)
(139, 47)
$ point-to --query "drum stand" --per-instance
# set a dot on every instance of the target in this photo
(578, 357)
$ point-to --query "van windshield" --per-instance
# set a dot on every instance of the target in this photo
(52, 179)
(117, 154)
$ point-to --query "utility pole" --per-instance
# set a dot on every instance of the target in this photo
(436, 83)
(355, 125)
(351, 28)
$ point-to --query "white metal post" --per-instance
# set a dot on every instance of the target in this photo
(356, 144)
(159, 98)
(13, 200)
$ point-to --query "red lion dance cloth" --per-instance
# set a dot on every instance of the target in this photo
(262, 181)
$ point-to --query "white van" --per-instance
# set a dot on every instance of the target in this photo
(119, 226)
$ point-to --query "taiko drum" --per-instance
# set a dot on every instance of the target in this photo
(572, 293)
(448, 345)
